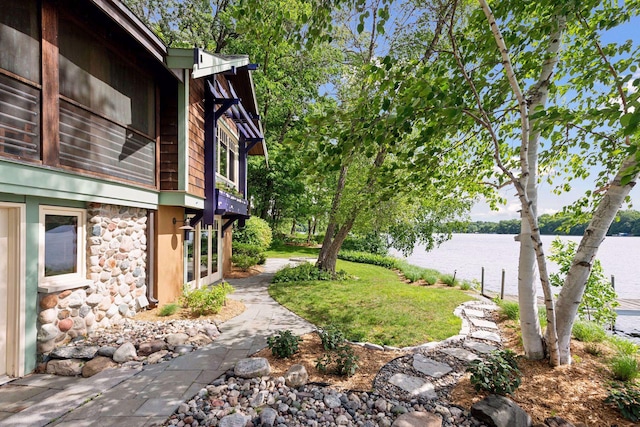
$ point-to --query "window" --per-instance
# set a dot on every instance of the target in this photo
(203, 270)
(227, 156)
(62, 249)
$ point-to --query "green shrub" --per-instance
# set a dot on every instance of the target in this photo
(627, 400)
(448, 280)
(498, 373)
(284, 344)
(542, 316)
(600, 299)
(373, 259)
(305, 272)
(207, 300)
(431, 276)
(244, 262)
(622, 345)
(509, 309)
(588, 331)
(331, 337)
(256, 232)
(168, 309)
(624, 367)
(343, 358)
(373, 243)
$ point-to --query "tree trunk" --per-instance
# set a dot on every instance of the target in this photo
(308, 231)
(293, 227)
(532, 339)
(330, 258)
(575, 282)
(331, 226)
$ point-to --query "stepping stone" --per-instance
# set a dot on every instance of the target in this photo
(414, 385)
(430, 367)
(415, 419)
(486, 335)
(460, 353)
(473, 313)
(480, 347)
(486, 307)
(479, 323)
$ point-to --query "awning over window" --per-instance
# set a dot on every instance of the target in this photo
(247, 124)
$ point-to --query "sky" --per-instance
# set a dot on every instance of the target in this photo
(547, 201)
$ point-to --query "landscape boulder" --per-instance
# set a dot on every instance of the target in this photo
(500, 411)
(252, 367)
(296, 376)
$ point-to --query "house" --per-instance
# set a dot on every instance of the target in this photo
(123, 165)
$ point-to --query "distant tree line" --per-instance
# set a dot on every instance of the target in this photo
(628, 223)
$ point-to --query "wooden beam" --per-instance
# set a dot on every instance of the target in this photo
(50, 85)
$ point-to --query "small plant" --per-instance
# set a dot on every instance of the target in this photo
(498, 373)
(344, 359)
(207, 300)
(588, 331)
(168, 309)
(627, 400)
(331, 337)
(542, 316)
(284, 344)
(468, 285)
(448, 280)
(593, 349)
(599, 300)
(624, 367)
(622, 345)
(509, 309)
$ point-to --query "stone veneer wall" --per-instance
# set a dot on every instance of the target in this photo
(116, 265)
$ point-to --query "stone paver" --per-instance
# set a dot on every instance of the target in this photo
(479, 347)
(427, 366)
(460, 353)
(140, 397)
(414, 385)
(486, 335)
(480, 323)
(473, 313)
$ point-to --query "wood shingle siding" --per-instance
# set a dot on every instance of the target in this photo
(196, 137)
(168, 141)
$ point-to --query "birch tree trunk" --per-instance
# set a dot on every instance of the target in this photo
(575, 282)
(528, 150)
(532, 339)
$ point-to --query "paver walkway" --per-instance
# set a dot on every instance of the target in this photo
(147, 396)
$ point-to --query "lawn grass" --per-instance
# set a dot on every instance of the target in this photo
(375, 306)
(282, 250)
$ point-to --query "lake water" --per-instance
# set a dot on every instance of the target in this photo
(466, 254)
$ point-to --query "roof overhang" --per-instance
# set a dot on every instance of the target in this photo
(120, 14)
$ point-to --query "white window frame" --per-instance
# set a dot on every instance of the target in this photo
(64, 281)
(232, 144)
(214, 232)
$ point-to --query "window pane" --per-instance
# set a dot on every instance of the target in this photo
(232, 166)
(189, 266)
(223, 160)
(214, 248)
(204, 253)
(20, 37)
(60, 245)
